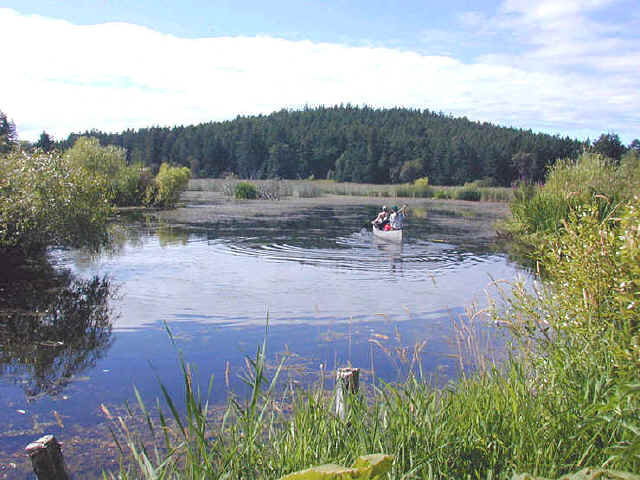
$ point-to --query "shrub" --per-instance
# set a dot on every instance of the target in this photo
(169, 184)
(570, 184)
(581, 331)
(128, 183)
(49, 199)
(419, 188)
(245, 191)
(441, 194)
(470, 194)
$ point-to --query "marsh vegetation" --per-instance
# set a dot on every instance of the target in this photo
(566, 396)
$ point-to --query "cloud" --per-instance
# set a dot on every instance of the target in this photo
(114, 76)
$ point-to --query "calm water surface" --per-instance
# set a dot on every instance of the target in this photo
(332, 295)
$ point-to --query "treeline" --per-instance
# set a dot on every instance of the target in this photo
(348, 143)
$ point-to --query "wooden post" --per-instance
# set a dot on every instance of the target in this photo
(46, 459)
(347, 383)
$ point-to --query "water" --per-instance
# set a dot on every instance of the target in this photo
(330, 294)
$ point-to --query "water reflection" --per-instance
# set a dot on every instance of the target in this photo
(53, 326)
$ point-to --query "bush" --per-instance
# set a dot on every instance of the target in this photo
(569, 185)
(470, 194)
(128, 183)
(419, 188)
(441, 194)
(245, 191)
(48, 199)
(169, 184)
(581, 332)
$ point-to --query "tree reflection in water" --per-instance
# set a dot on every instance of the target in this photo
(52, 326)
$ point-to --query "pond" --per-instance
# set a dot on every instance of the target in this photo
(212, 287)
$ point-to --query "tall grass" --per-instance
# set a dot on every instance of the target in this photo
(277, 189)
(569, 184)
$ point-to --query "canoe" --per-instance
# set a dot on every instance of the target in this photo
(394, 236)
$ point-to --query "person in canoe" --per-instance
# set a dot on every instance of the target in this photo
(396, 219)
(382, 220)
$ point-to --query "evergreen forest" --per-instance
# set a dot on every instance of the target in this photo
(348, 143)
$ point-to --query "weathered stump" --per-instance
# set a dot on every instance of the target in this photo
(46, 459)
(347, 383)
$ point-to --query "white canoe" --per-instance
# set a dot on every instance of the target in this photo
(394, 236)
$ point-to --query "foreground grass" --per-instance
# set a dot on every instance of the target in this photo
(488, 426)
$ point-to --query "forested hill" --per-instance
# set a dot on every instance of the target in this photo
(347, 143)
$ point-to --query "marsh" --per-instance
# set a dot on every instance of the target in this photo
(220, 275)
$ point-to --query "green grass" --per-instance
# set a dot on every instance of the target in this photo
(488, 426)
(542, 209)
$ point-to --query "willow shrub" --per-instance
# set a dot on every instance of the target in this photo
(169, 183)
(570, 184)
(47, 199)
(580, 332)
(127, 183)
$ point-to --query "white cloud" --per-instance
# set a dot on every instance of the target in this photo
(65, 78)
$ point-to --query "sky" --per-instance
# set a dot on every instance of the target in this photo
(564, 67)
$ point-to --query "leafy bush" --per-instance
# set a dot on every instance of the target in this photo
(441, 194)
(49, 199)
(169, 183)
(419, 188)
(128, 183)
(245, 191)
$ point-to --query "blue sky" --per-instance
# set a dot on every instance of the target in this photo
(568, 68)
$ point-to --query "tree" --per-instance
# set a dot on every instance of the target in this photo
(635, 145)
(8, 133)
(525, 164)
(50, 200)
(127, 183)
(45, 143)
(411, 170)
(281, 162)
(609, 145)
(88, 153)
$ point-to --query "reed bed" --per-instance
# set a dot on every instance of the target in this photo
(276, 189)
(490, 425)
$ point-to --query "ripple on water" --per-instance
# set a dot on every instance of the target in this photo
(363, 253)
